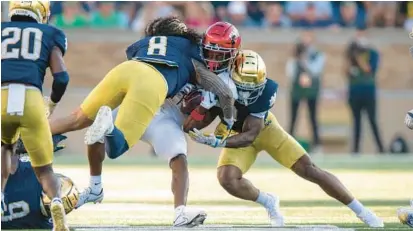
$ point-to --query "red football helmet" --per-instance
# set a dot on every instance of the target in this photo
(220, 46)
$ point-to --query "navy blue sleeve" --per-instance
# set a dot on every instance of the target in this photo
(196, 53)
(130, 51)
(267, 98)
(60, 40)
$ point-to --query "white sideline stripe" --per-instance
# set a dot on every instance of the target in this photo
(218, 227)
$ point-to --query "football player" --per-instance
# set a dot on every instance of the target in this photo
(167, 122)
(26, 205)
(256, 129)
(158, 66)
(29, 47)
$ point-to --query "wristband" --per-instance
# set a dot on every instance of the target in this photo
(197, 116)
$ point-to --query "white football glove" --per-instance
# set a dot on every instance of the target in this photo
(49, 106)
(209, 99)
(210, 140)
(230, 122)
(408, 120)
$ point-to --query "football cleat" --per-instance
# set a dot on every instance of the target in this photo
(274, 214)
(190, 217)
(88, 196)
(102, 126)
(57, 211)
(370, 219)
(405, 216)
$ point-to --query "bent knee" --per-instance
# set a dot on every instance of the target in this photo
(306, 169)
(228, 177)
(178, 162)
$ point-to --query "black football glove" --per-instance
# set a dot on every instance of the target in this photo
(20, 149)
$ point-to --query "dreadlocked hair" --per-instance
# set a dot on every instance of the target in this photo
(172, 26)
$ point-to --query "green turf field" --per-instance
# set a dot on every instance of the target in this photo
(137, 193)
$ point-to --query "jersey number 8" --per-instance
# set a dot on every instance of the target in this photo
(157, 45)
(25, 37)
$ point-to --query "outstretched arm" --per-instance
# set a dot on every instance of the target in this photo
(211, 82)
(250, 130)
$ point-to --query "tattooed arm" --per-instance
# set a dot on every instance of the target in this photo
(250, 130)
(211, 82)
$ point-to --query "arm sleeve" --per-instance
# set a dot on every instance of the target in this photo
(60, 41)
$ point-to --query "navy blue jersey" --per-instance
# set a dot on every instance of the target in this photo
(263, 104)
(23, 198)
(26, 48)
(170, 55)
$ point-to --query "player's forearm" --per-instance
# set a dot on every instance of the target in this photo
(211, 82)
(240, 140)
(60, 82)
(60, 75)
(250, 130)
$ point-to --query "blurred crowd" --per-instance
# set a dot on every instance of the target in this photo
(334, 15)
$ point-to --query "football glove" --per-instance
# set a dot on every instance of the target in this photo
(20, 149)
(408, 120)
(210, 140)
(49, 106)
(229, 122)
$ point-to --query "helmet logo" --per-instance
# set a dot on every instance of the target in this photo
(272, 100)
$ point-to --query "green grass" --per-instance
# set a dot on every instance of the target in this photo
(138, 192)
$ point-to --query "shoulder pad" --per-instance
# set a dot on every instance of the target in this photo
(60, 40)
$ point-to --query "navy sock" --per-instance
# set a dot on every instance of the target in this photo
(115, 144)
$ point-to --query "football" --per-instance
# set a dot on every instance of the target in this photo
(191, 101)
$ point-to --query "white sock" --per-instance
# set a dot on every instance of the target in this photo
(96, 183)
(263, 199)
(179, 210)
(356, 206)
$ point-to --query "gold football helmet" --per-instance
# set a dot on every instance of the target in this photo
(69, 192)
(405, 215)
(38, 10)
(250, 76)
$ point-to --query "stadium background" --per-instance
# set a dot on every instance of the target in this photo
(96, 45)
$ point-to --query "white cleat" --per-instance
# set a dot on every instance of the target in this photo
(274, 214)
(190, 217)
(370, 219)
(102, 126)
(59, 216)
(88, 196)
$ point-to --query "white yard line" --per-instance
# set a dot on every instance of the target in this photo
(219, 227)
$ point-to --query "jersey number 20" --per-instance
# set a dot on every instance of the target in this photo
(26, 36)
(157, 45)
